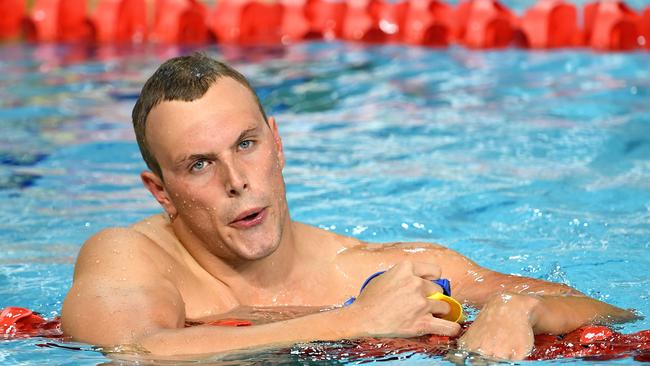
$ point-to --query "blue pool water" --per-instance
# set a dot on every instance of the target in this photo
(530, 163)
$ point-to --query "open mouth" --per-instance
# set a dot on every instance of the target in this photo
(249, 218)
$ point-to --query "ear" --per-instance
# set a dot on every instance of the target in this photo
(278, 141)
(155, 185)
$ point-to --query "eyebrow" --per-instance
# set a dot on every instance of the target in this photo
(211, 156)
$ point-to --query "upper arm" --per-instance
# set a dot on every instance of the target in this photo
(119, 293)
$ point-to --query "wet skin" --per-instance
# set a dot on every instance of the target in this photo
(226, 240)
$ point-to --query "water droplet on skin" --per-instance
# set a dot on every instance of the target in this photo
(97, 261)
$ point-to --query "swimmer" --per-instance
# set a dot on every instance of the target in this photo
(225, 240)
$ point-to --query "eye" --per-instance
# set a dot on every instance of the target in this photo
(199, 165)
(246, 144)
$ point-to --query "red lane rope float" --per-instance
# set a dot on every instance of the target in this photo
(58, 20)
(180, 21)
(428, 23)
(592, 342)
(361, 22)
(250, 22)
(550, 24)
(12, 13)
(73, 23)
(611, 26)
(18, 322)
(224, 20)
(484, 24)
(120, 21)
(295, 25)
(326, 18)
(41, 25)
(644, 27)
(261, 23)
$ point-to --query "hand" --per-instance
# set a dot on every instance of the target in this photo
(503, 329)
(395, 303)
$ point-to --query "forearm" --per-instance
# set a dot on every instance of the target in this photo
(330, 325)
(561, 314)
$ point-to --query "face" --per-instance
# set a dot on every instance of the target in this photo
(222, 168)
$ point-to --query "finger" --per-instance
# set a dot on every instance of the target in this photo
(429, 288)
(439, 308)
(427, 271)
(441, 327)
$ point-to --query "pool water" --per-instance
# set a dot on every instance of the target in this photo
(530, 163)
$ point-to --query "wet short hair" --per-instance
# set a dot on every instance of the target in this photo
(183, 78)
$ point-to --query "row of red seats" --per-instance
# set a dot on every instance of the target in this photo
(607, 24)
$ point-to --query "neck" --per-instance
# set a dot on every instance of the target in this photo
(241, 275)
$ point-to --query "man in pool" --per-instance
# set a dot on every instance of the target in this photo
(226, 242)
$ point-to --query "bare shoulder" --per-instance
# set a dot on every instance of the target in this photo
(113, 249)
(120, 289)
(381, 256)
(401, 250)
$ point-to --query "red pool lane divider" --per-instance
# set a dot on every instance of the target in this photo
(12, 13)
(261, 23)
(60, 20)
(295, 25)
(18, 322)
(180, 21)
(120, 21)
(251, 22)
(609, 25)
(231, 322)
(428, 23)
(484, 24)
(644, 27)
(326, 18)
(592, 342)
(551, 24)
(361, 22)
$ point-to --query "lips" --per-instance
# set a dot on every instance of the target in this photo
(249, 218)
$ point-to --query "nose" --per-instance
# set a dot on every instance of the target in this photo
(235, 179)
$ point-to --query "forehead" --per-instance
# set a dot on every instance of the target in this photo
(179, 127)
